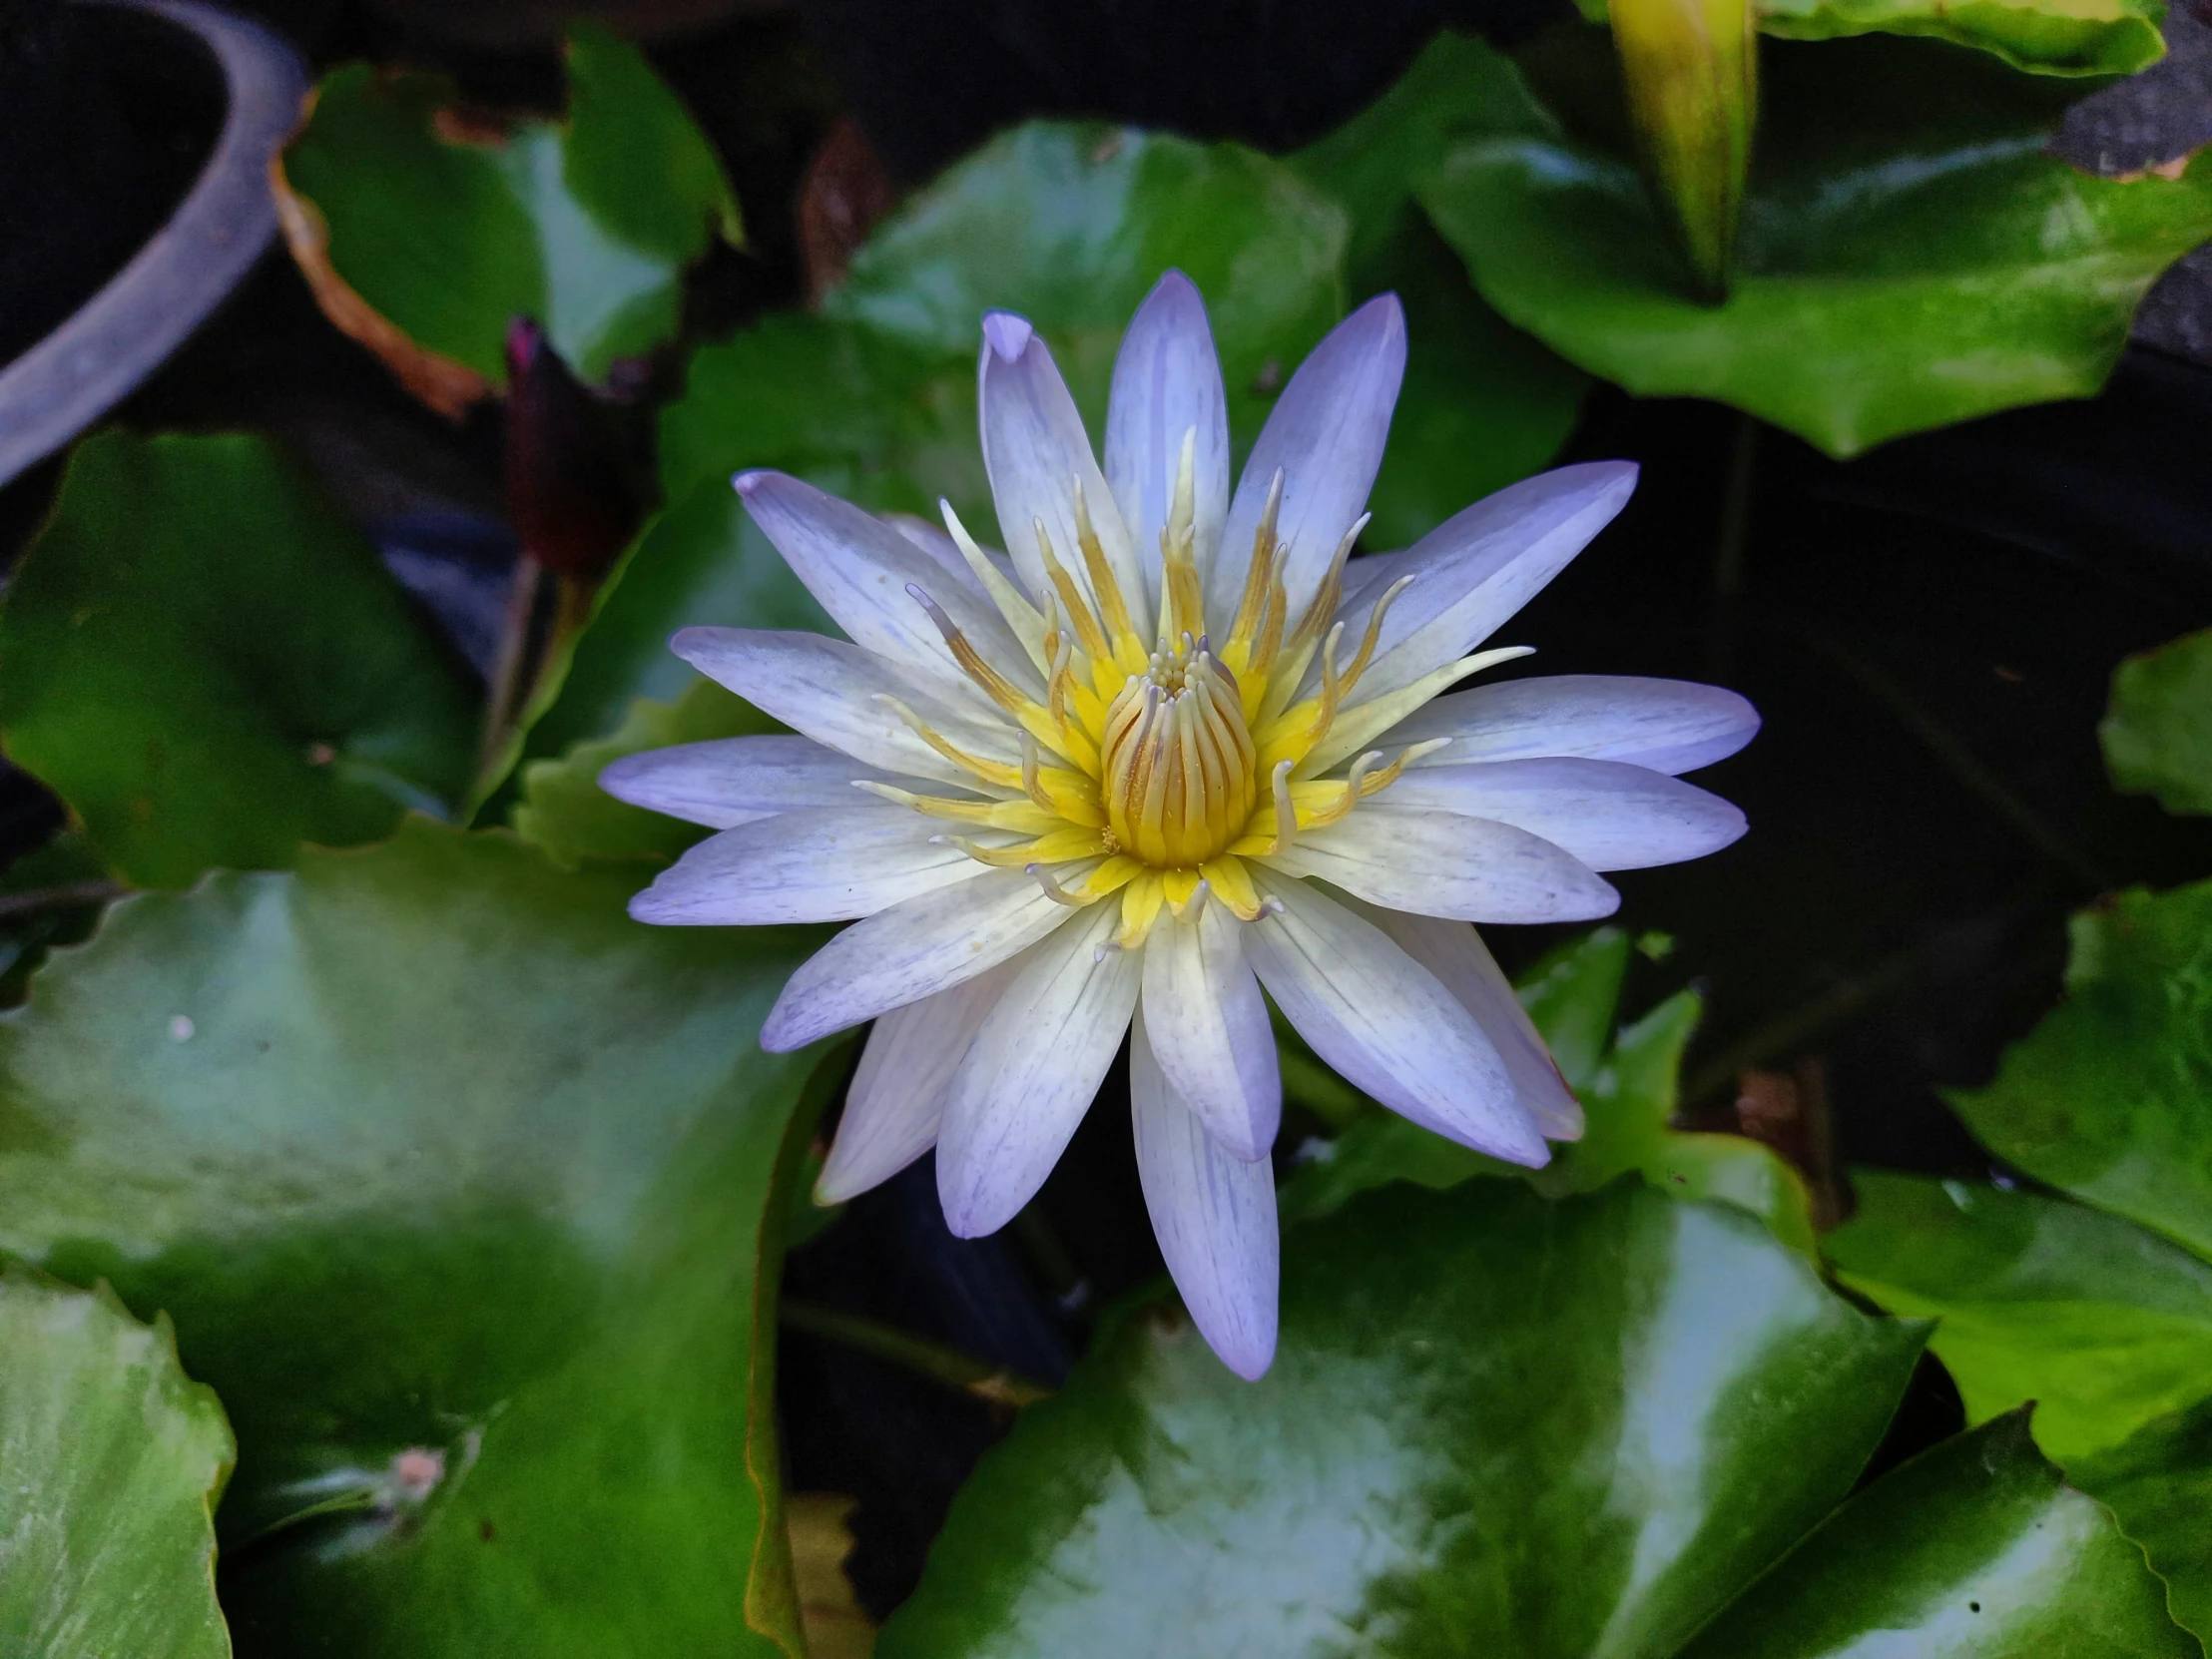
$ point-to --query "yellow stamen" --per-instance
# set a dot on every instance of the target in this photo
(1177, 782)
(1257, 576)
(1023, 617)
(997, 773)
(1022, 817)
(1086, 627)
(1230, 883)
(1113, 606)
(1182, 591)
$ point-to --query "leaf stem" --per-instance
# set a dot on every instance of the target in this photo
(998, 1383)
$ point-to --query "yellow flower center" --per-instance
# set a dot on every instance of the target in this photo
(1154, 768)
(1178, 760)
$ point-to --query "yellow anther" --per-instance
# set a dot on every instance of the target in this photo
(1366, 722)
(1113, 605)
(1080, 616)
(1022, 817)
(1182, 589)
(1023, 617)
(1185, 891)
(1373, 634)
(1257, 574)
(997, 773)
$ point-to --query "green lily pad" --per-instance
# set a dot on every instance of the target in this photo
(2044, 37)
(587, 224)
(2158, 1482)
(111, 1459)
(1911, 255)
(464, 1190)
(2157, 733)
(1496, 1424)
(1975, 1549)
(202, 657)
(568, 816)
(2110, 1097)
(2104, 1325)
(1628, 1087)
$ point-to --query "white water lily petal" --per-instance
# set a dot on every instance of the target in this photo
(832, 693)
(1213, 1214)
(1327, 436)
(1029, 1076)
(1036, 452)
(1210, 1028)
(1442, 864)
(1669, 726)
(1608, 815)
(1167, 381)
(941, 548)
(865, 573)
(725, 782)
(1478, 567)
(911, 950)
(819, 864)
(896, 1100)
(1455, 952)
(1387, 1024)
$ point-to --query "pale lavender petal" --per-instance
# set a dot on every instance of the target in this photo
(1029, 1076)
(1442, 864)
(819, 864)
(867, 575)
(1455, 952)
(1480, 566)
(725, 782)
(1387, 1024)
(1213, 1214)
(1608, 815)
(833, 692)
(1036, 451)
(946, 552)
(896, 1100)
(1325, 435)
(1210, 1028)
(909, 951)
(1167, 381)
(1669, 726)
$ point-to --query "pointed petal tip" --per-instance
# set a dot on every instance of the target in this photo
(744, 483)
(1007, 335)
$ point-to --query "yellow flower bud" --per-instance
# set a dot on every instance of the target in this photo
(1692, 72)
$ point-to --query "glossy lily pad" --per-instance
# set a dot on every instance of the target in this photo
(2110, 1097)
(2157, 733)
(2158, 1482)
(111, 1460)
(202, 657)
(462, 1189)
(1628, 1087)
(2105, 1326)
(1496, 1424)
(1975, 1549)
(2047, 37)
(1912, 254)
(447, 234)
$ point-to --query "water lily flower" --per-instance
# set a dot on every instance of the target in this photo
(1176, 750)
